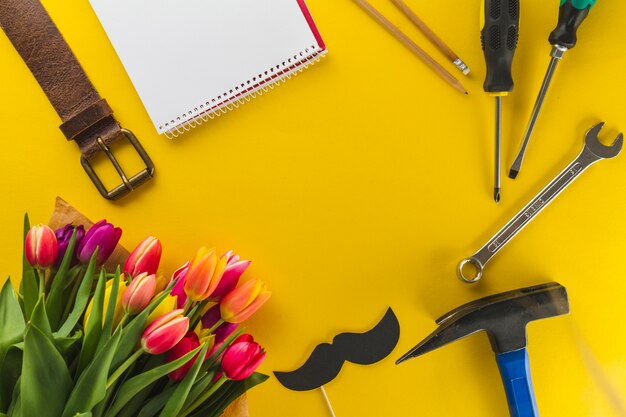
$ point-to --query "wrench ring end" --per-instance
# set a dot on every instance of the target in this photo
(479, 270)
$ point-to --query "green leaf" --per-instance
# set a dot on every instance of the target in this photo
(156, 403)
(217, 404)
(136, 384)
(132, 331)
(200, 386)
(54, 304)
(15, 410)
(40, 319)
(13, 325)
(83, 414)
(11, 332)
(176, 402)
(91, 385)
(10, 372)
(45, 382)
(82, 298)
(107, 328)
(65, 343)
(93, 329)
(134, 405)
(29, 287)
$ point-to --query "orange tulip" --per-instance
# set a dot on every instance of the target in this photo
(204, 275)
(244, 301)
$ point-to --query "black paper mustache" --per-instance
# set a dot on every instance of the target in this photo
(327, 360)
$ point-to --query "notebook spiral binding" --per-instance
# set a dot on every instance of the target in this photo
(234, 103)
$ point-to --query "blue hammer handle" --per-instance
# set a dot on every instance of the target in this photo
(515, 371)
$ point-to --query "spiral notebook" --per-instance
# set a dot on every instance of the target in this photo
(193, 60)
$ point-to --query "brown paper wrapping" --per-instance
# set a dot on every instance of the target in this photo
(64, 214)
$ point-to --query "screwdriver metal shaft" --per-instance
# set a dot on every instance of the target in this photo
(496, 188)
(499, 35)
(557, 54)
(572, 13)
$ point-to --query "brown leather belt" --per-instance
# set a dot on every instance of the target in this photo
(87, 118)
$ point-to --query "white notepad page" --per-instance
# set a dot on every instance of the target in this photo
(188, 58)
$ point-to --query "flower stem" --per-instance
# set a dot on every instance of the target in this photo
(72, 298)
(188, 304)
(215, 326)
(123, 367)
(204, 397)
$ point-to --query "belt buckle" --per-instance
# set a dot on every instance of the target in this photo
(128, 184)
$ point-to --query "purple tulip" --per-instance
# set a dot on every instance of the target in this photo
(103, 236)
(224, 331)
(64, 235)
(211, 318)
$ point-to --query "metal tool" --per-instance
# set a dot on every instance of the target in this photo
(504, 317)
(592, 152)
(500, 21)
(571, 15)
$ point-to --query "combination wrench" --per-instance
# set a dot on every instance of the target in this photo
(592, 152)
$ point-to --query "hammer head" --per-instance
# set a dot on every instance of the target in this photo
(504, 317)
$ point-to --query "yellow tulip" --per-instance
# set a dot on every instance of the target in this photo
(119, 308)
(166, 306)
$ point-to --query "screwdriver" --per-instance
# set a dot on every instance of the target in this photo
(571, 15)
(500, 19)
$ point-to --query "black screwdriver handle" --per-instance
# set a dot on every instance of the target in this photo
(571, 15)
(499, 38)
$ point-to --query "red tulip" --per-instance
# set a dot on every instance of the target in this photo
(165, 332)
(234, 269)
(188, 343)
(41, 246)
(144, 258)
(244, 301)
(242, 358)
(139, 293)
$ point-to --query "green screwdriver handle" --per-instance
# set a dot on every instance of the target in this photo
(499, 37)
(571, 15)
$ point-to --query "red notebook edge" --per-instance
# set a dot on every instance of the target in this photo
(312, 25)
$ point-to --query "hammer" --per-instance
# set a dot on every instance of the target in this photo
(504, 317)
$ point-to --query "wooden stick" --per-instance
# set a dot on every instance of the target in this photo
(330, 407)
(445, 49)
(411, 45)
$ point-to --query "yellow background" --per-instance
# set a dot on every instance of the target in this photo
(359, 185)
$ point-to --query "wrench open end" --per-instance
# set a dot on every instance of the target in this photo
(592, 142)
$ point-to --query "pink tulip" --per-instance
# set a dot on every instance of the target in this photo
(139, 293)
(144, 258)
(234, 269)
(188, 343)
(41, 246)
(242, 358)
(244, 301)
(165, 332)
(178, 291)
(204, 275)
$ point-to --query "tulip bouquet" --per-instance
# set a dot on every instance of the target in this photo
(77, 340)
